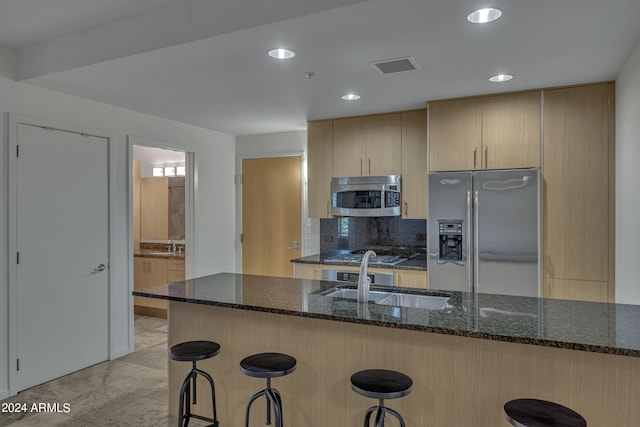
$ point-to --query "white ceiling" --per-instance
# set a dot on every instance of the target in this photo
(204, 62)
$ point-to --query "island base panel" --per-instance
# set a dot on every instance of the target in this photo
(458, 381)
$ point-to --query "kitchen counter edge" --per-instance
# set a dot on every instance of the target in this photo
(178, 291)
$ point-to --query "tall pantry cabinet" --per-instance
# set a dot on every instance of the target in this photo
(578, 204)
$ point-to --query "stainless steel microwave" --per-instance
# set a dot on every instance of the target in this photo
(367, 196)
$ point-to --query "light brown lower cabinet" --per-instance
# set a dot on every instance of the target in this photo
(403, 278)
(410, 279)
(175, 270)
(148, 273)
(307, 271)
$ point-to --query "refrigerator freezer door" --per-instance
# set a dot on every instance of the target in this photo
(449, 226)
(506, 208)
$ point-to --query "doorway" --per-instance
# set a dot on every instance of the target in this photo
(60, 283)
(271, 215)
(161, 213)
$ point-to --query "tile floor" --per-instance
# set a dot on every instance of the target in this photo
(130, 391)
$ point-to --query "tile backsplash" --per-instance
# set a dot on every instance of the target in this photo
(352, 233)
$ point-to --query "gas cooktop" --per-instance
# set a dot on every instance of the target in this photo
(357, 258)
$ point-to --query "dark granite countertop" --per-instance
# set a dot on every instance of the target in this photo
(419, 263)
(577, 325)
(150, 253)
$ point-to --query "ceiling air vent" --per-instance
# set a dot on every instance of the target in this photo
(390, 66)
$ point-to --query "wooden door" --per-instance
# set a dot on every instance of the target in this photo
(271, 215)
(576, 186)
(154, 208)
(383, 145)
(414, 164)
(455, 134)
(62, 234)
(349, 147)
(511, 131)
(319, 167)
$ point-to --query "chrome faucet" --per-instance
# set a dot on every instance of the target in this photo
(363, 279)
(172, 245)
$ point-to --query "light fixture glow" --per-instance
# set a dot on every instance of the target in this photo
(498, 78)
(351, 97)
(482, 16)
(281, 53)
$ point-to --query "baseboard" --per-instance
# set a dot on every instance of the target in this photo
(150, 311)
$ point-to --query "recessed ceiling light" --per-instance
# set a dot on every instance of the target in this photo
(500, 78)
(351, 97)
(482, 16)
(281, 53)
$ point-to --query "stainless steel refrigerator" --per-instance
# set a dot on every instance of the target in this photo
(484, 231)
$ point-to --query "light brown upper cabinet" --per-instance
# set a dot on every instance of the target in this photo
(491, 132)
(370, 145)
(578, 192)
(319, 167)
(455, 134)
(511, 131)
(414, 164)
(154, 208)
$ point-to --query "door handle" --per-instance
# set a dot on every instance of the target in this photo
(99, 269)
(486, 157)
(295, 247)
(470, 254)
(476, 246)
(406, 209)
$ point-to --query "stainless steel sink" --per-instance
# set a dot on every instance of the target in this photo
(428, 302)
(436, 301)
(349, 293)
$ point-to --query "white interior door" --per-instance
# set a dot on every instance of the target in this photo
(63, 244)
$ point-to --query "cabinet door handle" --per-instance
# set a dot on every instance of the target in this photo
(406, 208)
(549, 266)
(486, 157)
(328, 209)
(475, 156)
(369, 167)
(361, 174)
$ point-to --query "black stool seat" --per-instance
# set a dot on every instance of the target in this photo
(268, 365)
(191, 351)
(541, 413)
(381, 384)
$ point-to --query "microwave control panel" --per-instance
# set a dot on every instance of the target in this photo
(393, 199)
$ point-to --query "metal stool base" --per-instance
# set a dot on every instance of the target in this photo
(189, 384)
(380, 411)
(274, 401)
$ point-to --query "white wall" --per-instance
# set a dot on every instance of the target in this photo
(215, 163)
(628, 181)
(275, 145)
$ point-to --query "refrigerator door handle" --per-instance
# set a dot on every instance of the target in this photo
(476, 255)
(469, 240)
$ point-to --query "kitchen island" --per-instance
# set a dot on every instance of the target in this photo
(466, 359)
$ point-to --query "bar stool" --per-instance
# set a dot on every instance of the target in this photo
(192, 351)
(268, 365)
(381, 384)
(541, 413)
